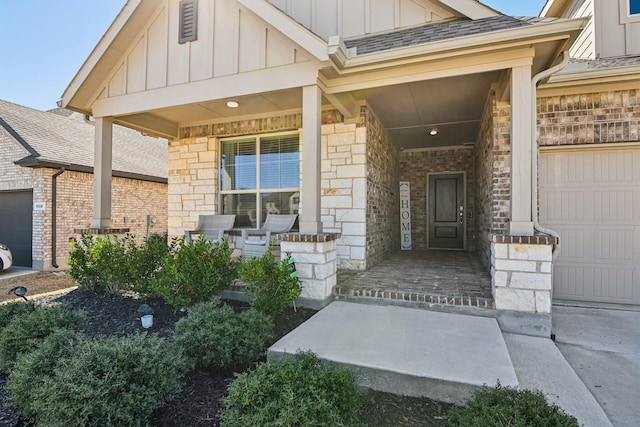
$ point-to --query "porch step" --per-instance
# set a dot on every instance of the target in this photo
(406, 351)
(417, 299)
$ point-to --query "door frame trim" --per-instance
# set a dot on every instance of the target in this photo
(464, 217)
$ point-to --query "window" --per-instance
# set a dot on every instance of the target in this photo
(188, 27)
(260, 175)
(634, 7)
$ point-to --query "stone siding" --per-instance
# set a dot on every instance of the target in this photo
(415, 167)
(383, 191)
(589, 118)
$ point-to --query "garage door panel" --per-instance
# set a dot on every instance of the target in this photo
(596, 211)
(16, 225)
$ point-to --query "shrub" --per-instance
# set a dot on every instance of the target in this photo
(27, 330)
(9, 311)
(107, 381)
(32, 374)
(103, 263)
(274, 286)
(194, 272)
(147, 262)
(298, 391)
(505, 406)
(216, 336)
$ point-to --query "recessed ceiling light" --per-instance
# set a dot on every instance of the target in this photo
(233, 104)
(433, 132)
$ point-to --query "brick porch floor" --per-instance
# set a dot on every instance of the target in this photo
(448, 278)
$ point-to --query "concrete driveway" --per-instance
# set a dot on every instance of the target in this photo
(603, 347)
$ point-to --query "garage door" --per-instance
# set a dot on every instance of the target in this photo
(592, 199)
(16, 224)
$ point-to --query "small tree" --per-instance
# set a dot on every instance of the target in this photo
(273, 285)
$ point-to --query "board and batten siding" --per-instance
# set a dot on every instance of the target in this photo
(231, 40)
(351, 18)
(585, 44)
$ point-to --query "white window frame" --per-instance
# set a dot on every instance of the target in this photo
(625, 13)
(258, 190)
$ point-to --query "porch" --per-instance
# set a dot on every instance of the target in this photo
(450, 279)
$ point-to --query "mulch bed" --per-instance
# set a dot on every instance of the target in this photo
(200, 401)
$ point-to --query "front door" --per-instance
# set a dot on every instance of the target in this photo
(446, 211)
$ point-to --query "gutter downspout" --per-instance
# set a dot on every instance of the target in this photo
(54, 179)
(535, 151)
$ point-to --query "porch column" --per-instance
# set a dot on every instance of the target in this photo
(102, 162)
(521, 126)
(310, 220)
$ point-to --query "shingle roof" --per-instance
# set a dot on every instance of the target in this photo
(439, 31)
(69, 140)
(607, 63)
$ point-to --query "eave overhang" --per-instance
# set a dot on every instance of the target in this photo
(347, 61)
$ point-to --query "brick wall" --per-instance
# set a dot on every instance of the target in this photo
(383, 191)
(133, 199)
(12, 176)
(415, 166)
(589, 118)
(493, 176)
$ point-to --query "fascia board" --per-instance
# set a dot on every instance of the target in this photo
(291, 29)
(469, 8)
(577, 78)
(99, 51)
(531, 35)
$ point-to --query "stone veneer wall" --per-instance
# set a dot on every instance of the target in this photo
(589, 118)
(415, 167)
(493, 176)
(383, 191)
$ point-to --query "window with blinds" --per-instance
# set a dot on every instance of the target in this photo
(258, 176)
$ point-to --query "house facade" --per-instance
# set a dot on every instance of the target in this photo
(326, 111)
(47, 186)
(589, 136)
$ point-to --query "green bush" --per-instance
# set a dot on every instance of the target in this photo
(115, 381)
(273, 285)
(27, 330)
(505, 406)
(103, 263)
(147, 262)
(301, 391)
(194, 272)
(9, 311)
(29, 379)
(216, 336)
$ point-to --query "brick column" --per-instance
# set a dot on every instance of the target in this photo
(315, 258)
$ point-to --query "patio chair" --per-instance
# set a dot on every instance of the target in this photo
(211, 227)
(257, 241)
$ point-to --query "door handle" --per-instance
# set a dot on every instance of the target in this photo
(461, 214)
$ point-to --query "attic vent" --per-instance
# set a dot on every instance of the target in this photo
(188, 30)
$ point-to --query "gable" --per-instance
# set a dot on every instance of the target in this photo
(230, 40)
(354, 18)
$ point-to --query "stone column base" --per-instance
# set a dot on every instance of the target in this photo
(315, 258)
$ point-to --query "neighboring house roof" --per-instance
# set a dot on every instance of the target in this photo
(439, 31)
(63, 138)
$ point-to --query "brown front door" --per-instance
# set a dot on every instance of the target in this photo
(446, 211)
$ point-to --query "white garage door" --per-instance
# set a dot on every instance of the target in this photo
(591, 198)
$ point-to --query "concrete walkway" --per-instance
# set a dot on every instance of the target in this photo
(442, 356)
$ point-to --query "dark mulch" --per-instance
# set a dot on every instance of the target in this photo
(200, 401)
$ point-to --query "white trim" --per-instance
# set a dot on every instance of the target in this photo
(471, 9)
(592, 147)
(464, 203)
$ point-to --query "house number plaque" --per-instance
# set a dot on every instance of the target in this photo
(405, 216)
